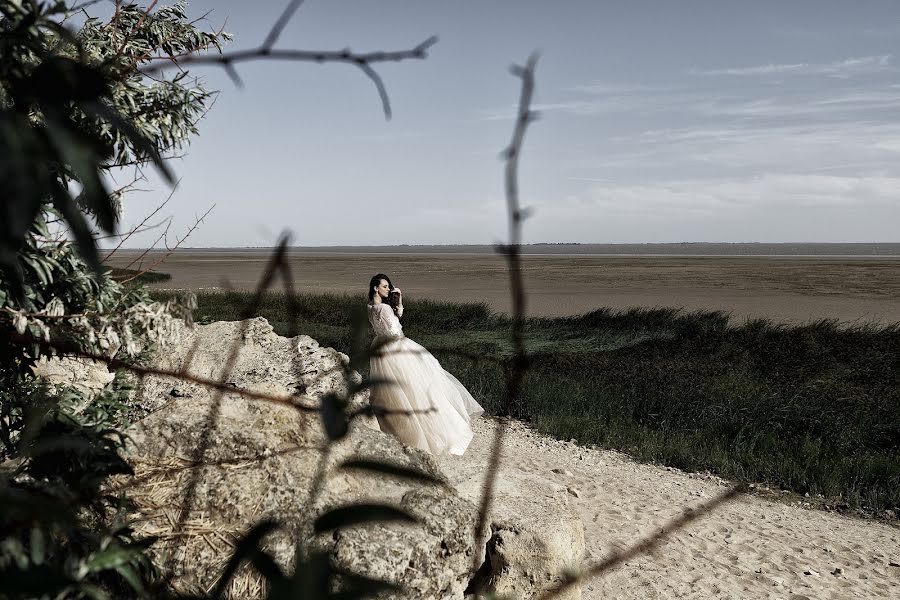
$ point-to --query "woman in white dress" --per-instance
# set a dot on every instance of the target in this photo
(438, 408)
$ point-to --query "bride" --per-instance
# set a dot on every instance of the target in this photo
(438, 408)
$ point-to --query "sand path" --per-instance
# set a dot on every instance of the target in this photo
(749, 548)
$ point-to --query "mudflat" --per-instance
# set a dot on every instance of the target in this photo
(778, 287)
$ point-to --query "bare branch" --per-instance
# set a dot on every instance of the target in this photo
(87, 4)
(265, 51)
(140, 226)
(519, 361)
(139, 259)
(280, 24)
(169, 250)
(293, 401)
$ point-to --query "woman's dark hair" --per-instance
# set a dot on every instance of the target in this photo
(376, 280)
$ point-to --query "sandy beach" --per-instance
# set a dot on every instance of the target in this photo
(784, 288)
(748, 548)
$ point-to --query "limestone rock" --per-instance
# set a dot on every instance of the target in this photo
(88, 376)
(210, 465)
(266, 362)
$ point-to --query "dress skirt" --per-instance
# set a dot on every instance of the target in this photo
(439, 408)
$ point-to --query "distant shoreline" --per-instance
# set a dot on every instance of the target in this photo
(685, 249)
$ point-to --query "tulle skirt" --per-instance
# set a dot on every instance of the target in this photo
(439, 406)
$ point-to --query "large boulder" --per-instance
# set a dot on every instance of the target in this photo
(209, 465)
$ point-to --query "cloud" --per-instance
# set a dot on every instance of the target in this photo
(644, 102)
(852, 148)
(809, 104)
(842, 68)
(615, 88)
(510, 113)
(725, 196)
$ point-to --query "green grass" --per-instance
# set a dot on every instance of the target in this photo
(142, 278)
(812, 408)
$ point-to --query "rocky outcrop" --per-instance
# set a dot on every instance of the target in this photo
(210, 464)
(210, 467)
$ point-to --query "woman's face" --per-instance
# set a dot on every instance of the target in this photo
(384, 289)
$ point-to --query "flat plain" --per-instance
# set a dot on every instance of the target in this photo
(568, 281)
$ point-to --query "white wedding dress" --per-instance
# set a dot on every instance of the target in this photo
(441, 406)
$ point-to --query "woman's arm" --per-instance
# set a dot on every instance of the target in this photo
(390, 321)
(400, 305)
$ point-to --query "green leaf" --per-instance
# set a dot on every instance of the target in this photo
(378, 467)
(131, 577)
(134, 136)
(333, 416)
(38, 548)
(84, 239)
(76, 150)
(112, 557)
(310, 580)
(355, 514)
(58, 80)
(92, 591)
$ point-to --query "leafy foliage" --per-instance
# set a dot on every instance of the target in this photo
(61, 536)
(75, 109)
(74, 105)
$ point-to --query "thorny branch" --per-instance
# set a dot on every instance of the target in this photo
(519, 361)
(169, 250)
(212, 418)
(140, 226)
(265, 51)
(139, 259)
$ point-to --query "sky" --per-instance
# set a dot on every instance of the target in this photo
(660, 121)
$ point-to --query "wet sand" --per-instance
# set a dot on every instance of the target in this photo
(782, 288)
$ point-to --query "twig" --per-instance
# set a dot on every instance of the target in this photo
(519, 361)
(264, 51)
(86, 4)
(212, 417)
(135, 27)
(134, 230)
(280, 24)
(170, 251)
(142, 371)
(139, 259)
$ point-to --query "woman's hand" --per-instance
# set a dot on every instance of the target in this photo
(399, 293)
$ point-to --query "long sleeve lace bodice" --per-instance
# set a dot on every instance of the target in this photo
(384, 322)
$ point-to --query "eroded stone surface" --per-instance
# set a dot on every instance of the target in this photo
(213, 464)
